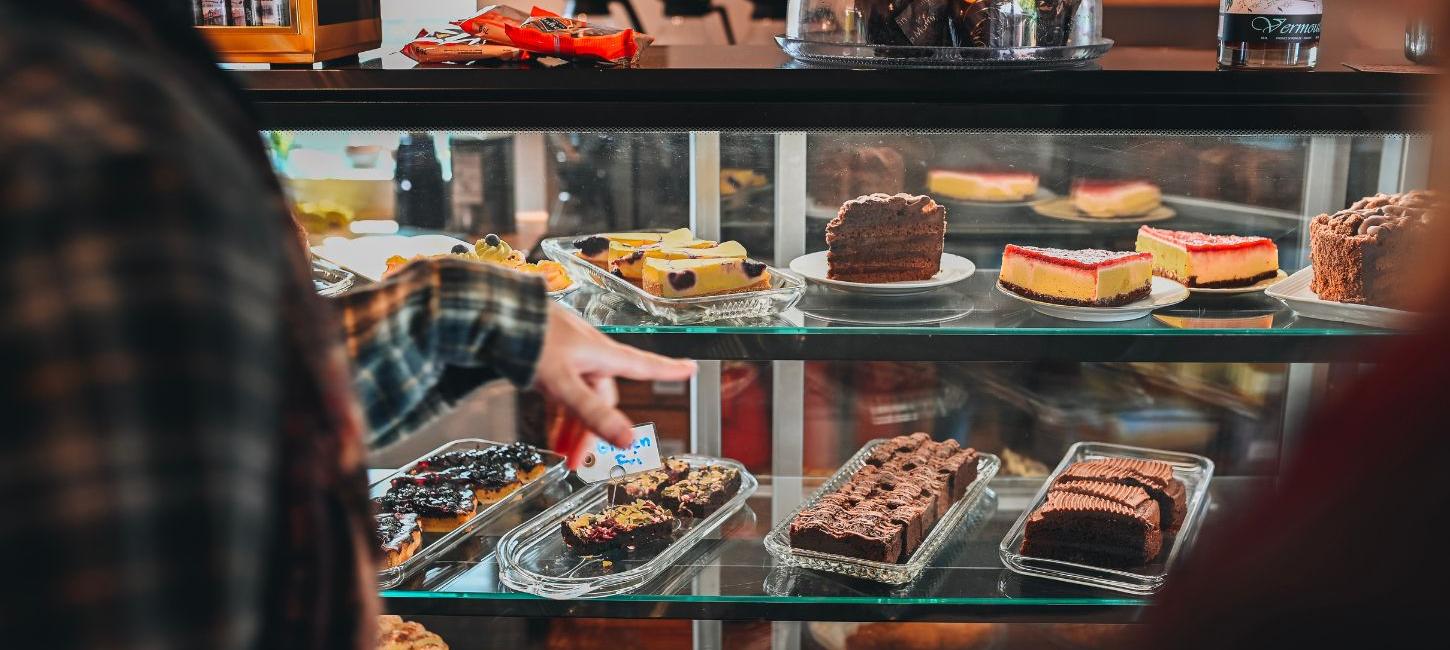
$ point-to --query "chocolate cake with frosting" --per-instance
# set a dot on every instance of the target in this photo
(886, 238)
(1110, 512)
(1369, 254)
(887, 508)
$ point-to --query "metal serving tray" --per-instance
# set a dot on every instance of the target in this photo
(1195, 471)
(533, 558)
(436, 544)
(777, 542)
(785, 290)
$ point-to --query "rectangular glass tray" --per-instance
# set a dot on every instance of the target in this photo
(532, 558)
(784, 292)
(777, 542)
(1195, 471)
(436, 544)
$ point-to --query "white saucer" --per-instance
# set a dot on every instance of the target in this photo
(954, 269)
(1296, 294)
(1253, 288)
(1164, 293)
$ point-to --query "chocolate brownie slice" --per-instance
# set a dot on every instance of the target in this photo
(1154, 477)
(620, 527)
(865, 531)
(1075, 526)
(703, 491)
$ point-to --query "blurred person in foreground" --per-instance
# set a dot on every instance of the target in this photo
(185, 420)
(1348, 551)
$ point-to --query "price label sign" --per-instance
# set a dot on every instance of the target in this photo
(600, 461)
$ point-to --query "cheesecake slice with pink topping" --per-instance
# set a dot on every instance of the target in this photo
(991, 187)
(1108, 199)
(1084, 278)
(1209, 261)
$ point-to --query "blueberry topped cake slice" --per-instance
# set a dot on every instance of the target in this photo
(398, 535)
(440, 507)
(525, 458)
(619, 527)
(692, 278)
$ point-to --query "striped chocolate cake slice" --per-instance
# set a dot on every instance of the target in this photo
(886, 238)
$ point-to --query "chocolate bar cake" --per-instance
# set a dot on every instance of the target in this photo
(1155, 478)
(886, 238)
(702, 492)
(398, 536)
(440, 507)
(647, 485)
(619, 527)
(889, 506)
(1103, 525)
(1369, 254)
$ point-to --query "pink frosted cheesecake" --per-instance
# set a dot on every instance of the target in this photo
(1108, 199)
(1209, 261)
(994, 187)
(1085, 278)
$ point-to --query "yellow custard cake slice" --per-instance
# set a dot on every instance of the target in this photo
(689, 278)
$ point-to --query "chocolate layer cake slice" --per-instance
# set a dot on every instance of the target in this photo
(1154, 477)
(886, 238)
(621, 527)
(865, 531)
(1075, 526)
(703, 491)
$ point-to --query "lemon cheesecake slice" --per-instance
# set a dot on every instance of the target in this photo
(1209, 261)
(1084, 278)
(627, 260)
(595, 248)
(1108, 199)
(994, 187)
(689, 278)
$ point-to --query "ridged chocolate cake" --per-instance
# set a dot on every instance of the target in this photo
(1112, 512)
(886, 238)
(1368, 254)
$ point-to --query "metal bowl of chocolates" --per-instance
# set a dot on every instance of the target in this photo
(947, 33)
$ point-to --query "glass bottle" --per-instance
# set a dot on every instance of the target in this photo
(1269, 34)
(420, 197)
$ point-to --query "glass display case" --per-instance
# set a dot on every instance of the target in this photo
(742, 144)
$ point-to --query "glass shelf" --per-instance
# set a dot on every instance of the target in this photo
(731, 576)
(972, 320)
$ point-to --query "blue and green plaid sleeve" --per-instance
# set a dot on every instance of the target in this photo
(435, 330)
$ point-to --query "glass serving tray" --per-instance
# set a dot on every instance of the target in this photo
(777, 542)
(926, 56)
(436, 544)
(329, 279)
(1195, 471)
(785, 290)
(533, 558)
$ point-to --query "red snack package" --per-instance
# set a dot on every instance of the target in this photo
(490, 23)
(545, 32)
(453, 45)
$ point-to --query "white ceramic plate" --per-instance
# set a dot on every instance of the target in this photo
(1042, 194)
(1164, 293)
(954, 269)
(1253, 288)
(368, 256)
(1295, 293)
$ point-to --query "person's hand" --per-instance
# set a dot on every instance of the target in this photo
(578, 364)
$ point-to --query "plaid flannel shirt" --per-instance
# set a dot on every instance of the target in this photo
(182, 443)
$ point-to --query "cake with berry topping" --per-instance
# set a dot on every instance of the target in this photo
(1109, 199)
(691, 278)
(1368, 254)
(595, 248)
(988, 187)
(1209, 261)
(619, 527)
(398, 536)
(1084, 278)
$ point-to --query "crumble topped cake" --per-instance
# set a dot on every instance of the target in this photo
(702, 491)
(887, 508)
(886, 238)
(1368, 254)
(689, 278)
(398, 535)
(1207, 261)
(988, 187)
(1085, 278)
(1108, 199)
(619, 527)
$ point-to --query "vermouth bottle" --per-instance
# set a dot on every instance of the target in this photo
(1269, 34)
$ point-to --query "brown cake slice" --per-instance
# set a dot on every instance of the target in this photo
(703, 491)
(1154, 477)
(398, 535)
(886, 238)
(1370, 254)
(1076, 527)
(866, 531)
(620, 527)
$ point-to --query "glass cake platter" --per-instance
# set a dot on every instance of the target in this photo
(1195, 471)
(948, 526)
(532, 558)
(922, 56)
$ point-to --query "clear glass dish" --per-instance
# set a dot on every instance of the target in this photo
(927, 56)
(330, 279)
(533, 558)
(785, 290)
(436, 544)
(777, 542)
(1195, 471)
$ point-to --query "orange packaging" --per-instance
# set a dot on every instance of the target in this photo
(490, 23)
(547, 33)
(453, 45)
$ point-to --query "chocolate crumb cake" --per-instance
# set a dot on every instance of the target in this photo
(1369, 253)
(886, 238)
(702, 492)
(887, 508)
(619, 527)
(398, 535)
